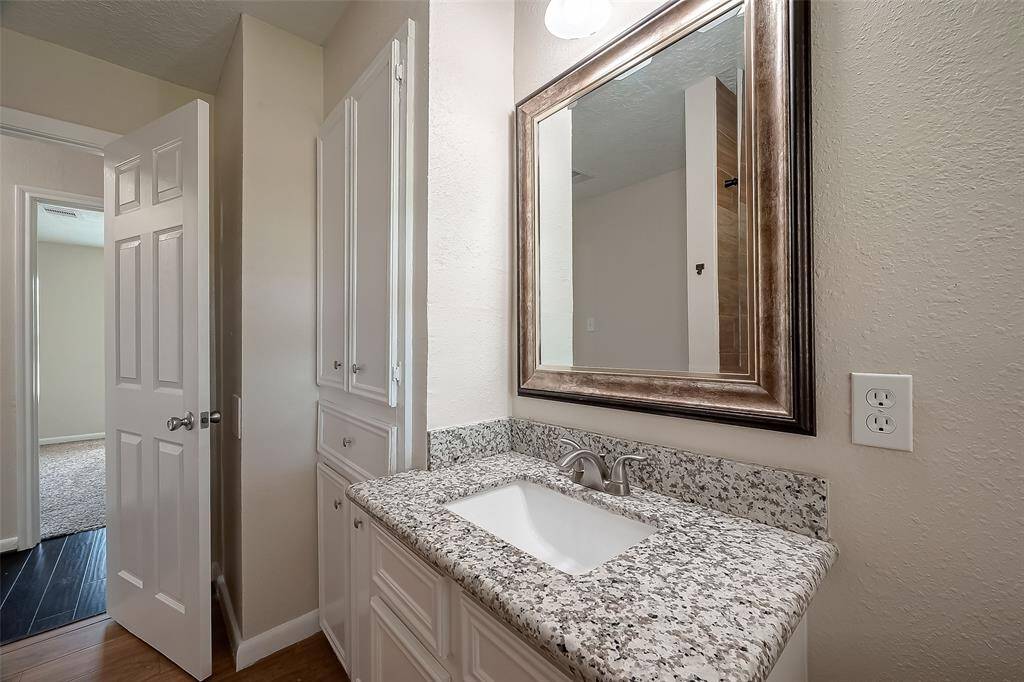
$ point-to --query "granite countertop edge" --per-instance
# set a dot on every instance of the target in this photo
(729, 592)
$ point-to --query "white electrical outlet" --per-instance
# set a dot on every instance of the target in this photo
(882, 410)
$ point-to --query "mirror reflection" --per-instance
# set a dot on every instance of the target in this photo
(642, 243)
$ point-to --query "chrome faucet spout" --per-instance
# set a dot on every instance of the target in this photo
(595, 473)
(588, 469)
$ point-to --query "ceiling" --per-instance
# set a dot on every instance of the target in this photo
(84, 228)
(181, 41)
(632, 129)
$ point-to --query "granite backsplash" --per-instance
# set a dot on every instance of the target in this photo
(791, 500)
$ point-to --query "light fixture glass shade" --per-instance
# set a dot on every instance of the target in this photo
(571, 19)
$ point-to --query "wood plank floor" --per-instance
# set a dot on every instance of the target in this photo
(100, 649)
(59, 581)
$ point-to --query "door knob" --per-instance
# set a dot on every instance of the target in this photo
(207, 418)
(175, 423)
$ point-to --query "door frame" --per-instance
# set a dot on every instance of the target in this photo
(82, 138)
(27, 345)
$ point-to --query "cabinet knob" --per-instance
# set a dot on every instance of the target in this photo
(358, 523)
(337, 364)
(345, 442)
(356, 369)
(337, 504)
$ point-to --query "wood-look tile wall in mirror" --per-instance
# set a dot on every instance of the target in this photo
(663, 206)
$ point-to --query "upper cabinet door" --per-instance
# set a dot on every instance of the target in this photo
(373, 215)
(361, 212)
(331, 254)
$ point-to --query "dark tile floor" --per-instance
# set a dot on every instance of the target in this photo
(57, 582)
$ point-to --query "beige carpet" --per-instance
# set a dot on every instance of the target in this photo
(72, 486)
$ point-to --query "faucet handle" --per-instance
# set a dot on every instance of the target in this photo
(577, 466)
(570, 442)
(618, 481)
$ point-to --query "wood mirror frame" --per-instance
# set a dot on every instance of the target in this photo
(778, 392)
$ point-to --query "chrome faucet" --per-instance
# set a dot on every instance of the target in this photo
(587, 468)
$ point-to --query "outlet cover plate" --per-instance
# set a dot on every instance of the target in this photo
(901, 389)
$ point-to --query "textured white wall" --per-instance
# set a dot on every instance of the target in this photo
(469, 211)
(917, 169)
(71, 388)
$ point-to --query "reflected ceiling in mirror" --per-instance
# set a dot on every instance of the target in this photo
(642, 232)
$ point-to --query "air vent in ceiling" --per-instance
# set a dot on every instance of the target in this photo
(57, 210)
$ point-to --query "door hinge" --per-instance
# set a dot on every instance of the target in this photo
(399, 72)
(396, 373)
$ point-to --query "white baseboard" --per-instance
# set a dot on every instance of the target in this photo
(71, 439)
(8, 544)
(249, 651)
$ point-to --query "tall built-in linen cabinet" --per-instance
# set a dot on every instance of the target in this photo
(364, 224)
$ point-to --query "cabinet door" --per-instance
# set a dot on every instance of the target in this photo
(492, 653)
(359, 543)
(334, 559)
(332, 366)
(395, 653)
(373, 214)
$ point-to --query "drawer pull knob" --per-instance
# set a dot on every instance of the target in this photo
(345, 442)
(358, 523)
(337, 504)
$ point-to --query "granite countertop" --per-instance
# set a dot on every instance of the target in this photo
(709, 596)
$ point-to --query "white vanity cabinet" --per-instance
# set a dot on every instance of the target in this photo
(409, 622)
(333, 512)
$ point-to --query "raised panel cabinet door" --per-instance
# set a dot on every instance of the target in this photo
(395, 653)
(373, 205)
(359, 596)
(156, 263)
(334, 563)
(492, 653)
(331, 251)
(412, 589)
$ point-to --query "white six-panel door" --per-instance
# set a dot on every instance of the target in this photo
(156, 211)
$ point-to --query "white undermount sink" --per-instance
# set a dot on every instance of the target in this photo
(568, 534)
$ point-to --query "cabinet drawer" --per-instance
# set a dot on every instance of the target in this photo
(362, 447)
(395, 654)
(417, 593)
(492, 653)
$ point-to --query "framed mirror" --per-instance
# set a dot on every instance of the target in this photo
(664, 234)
